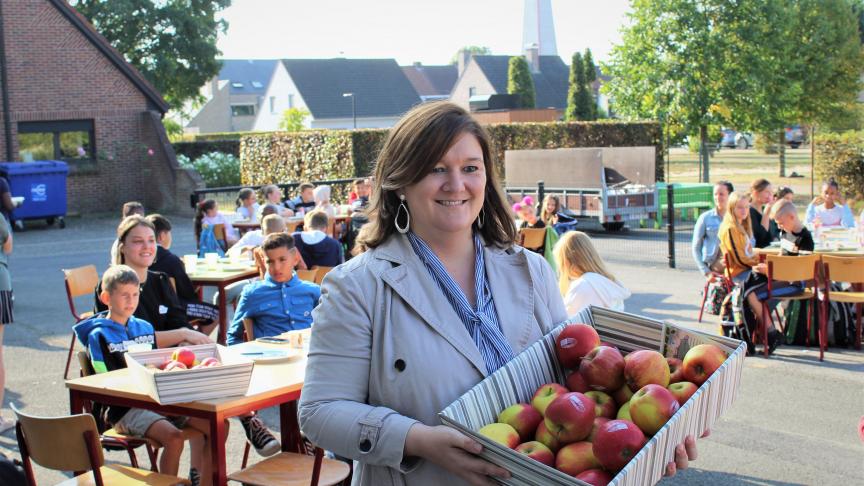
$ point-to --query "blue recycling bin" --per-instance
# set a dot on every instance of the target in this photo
(42, 184)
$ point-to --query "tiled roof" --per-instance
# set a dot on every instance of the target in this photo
(432, 80)
(247, 76)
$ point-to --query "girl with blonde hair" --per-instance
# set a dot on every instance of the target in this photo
(584, 279)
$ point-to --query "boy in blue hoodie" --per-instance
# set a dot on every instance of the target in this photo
(107, 337)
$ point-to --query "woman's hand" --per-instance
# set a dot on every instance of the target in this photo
(454, 452)
(684, 453)
(761, 268)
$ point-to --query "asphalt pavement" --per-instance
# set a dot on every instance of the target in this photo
(794, 421)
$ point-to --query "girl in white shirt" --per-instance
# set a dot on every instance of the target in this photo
(247, 207)
(322, 200)
(208, 214)
(583, 277)
(830, 213)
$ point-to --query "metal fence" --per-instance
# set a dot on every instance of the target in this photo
(226, 197)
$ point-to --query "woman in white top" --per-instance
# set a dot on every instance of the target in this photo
(583, 277)
(247, 206)
(322, 200)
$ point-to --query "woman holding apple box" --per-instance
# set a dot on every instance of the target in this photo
(439, 298)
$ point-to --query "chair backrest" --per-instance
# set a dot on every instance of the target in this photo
(792, 268)
(307, 275)
(844, 269)
(248, 326)
(258, 255)
(320, 272)
(60, 443)
(533, 238)
(86, 365)
(291, 227)
(80, 281)
(219, 231)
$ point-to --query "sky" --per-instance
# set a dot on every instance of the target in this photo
(427, 31)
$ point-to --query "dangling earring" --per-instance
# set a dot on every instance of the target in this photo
(402, 206)
(480, 219)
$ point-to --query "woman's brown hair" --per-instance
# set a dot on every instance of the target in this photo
(412, 148)
(129, 223)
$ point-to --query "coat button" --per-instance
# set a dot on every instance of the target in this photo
(400, 365)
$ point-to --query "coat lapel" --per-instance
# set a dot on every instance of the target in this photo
(412, 282)
(513, 292)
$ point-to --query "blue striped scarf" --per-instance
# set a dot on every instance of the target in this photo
(481, 320)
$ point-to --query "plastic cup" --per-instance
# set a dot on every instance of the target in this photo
(211, 260)
(191, 263)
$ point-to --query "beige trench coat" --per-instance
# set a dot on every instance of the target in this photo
(388, 350)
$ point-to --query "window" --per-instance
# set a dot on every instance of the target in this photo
(272, 105)
(257, 85)
(472, 91)
(242, 110)
(237, 85)
(290, 101)
(69, 141)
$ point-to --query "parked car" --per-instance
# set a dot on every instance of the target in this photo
(795, 136)
(735, 139)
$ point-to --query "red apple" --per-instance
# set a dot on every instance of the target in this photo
(545, 394)
(624, 412)
(604, 405)
(210, 362)
(651, 407)
(522, 417)
(575, 383)
(676, 371)
(603, 369)
(174, 365)
(574, 342)
(595, 477)
(184, 355)
(645, 367)
(616, 443)
(682, 391)
(501, 433)
(574, 458)
(537, 451)
(622, 395)
(598, 421)
(570, 417)
(546, 438)
(701, 362)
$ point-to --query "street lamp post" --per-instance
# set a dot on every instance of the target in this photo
(353, 107)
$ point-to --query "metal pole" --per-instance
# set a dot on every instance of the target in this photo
(354, 110)
(541, 193)
(670, 222)
(4, 81)
(812, 161)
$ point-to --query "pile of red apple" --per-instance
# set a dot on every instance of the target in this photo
(184, 358)
(610, 406)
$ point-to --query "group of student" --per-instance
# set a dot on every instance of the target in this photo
(741, 222)
(147, 298)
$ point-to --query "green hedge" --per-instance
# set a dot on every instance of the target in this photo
(841, 156)
(334, 154)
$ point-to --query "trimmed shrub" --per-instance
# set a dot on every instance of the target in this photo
(841, 156)
(216, 168)
(335, 154)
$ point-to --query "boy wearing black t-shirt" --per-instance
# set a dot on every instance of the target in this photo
(794, 236)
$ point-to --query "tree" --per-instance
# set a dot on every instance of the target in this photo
(292, 120)
(519, 81)
(473, 50)
(579, 99)
(590, 77)
(171, 42)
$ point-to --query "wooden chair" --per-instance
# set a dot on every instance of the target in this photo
(248, 328)
(292, 469)
(307, 275)
(320, 272)
(532, 238)
(791, 269)
(80, 281)
(845, 269)
(111, 439)
(72, 444)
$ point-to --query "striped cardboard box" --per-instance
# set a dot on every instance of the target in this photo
(517, 381)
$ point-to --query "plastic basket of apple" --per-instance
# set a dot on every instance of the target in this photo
(190, 373)
(604, 398)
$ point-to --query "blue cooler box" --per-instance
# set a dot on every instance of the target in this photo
(42, 184)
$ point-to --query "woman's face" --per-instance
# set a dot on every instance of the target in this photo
(139, 247)
(450, 197)
(721, 195)
(249, 200)
(764, 196)
(551, 206)
(742, 209)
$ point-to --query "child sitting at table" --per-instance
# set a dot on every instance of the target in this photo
(247, 206)
(322, 201)
(315, 247)
(273, 195)
(828, 211)
(304, 202)
(279, 303)
(107, 337)
(794, 236)
(253, 239)
(208, 214)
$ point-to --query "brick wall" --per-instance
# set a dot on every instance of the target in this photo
(56, 73)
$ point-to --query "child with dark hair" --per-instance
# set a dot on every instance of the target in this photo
(828, 210)
(305, 201)
(281, 302)
(208, 214)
